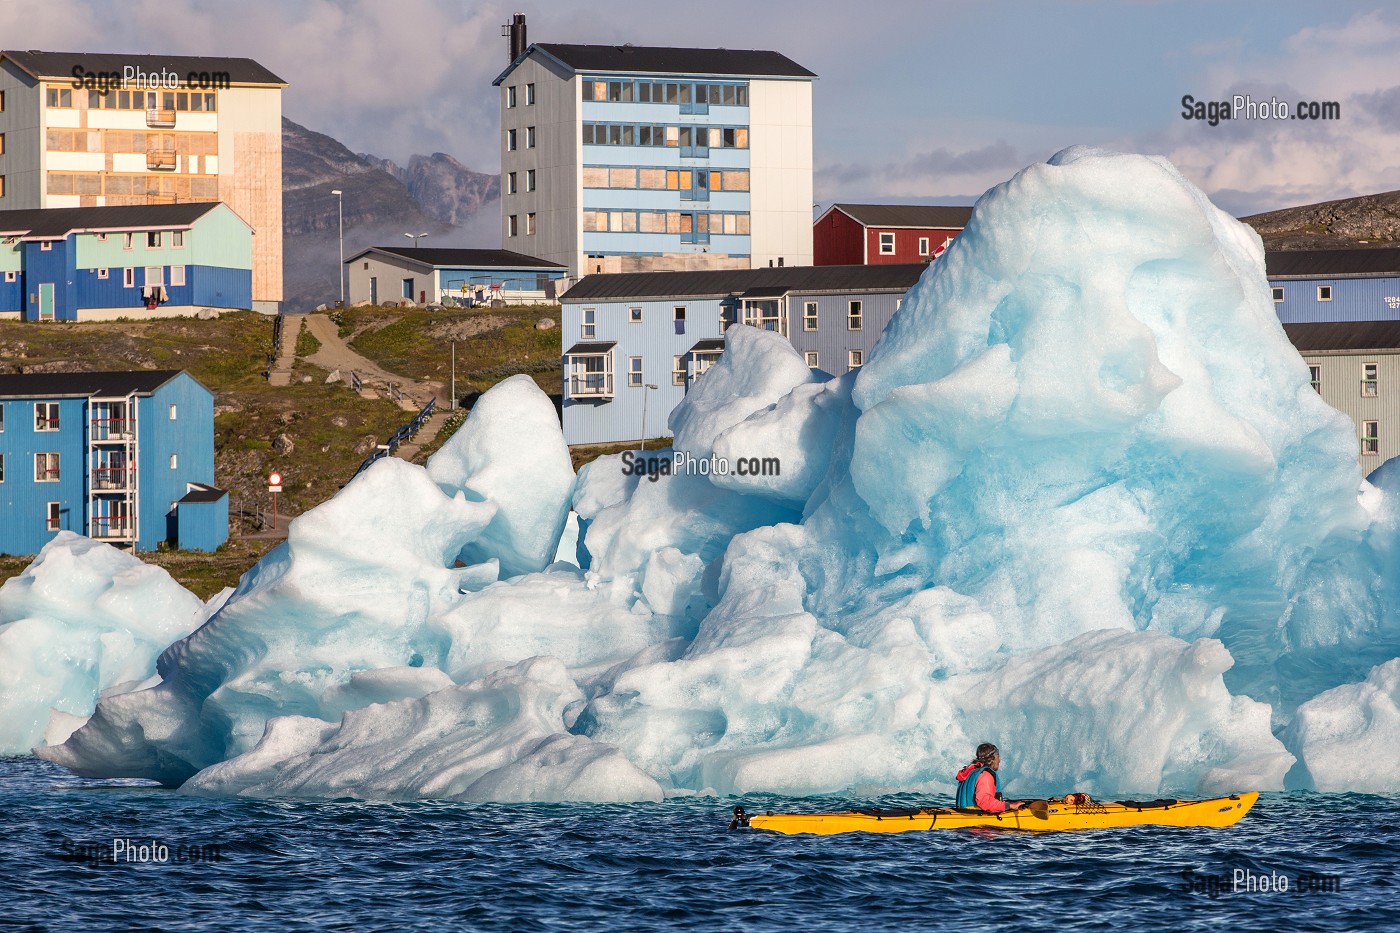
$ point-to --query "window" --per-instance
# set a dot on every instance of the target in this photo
(510, 140)
(923, 246)
(11, 276)
(102, 273)
(1324, 293)
(513, 225)
(679, 315)
(811, 357)
(153, 239)
(2, 468)
(530, 94)
(1315, 377)
(155, 275)
(634, 315)
(510, 183)
(2, 186)
(128, 240)
(174, 461)
(1369, 372)
(678, 371)
(530, 224)
(177, 276)
(588, 329)
(60, 97)
(887, 244)
(2, 419)
(46, 468)
(1278, 293)
(1370, 437)
(510, 97)
(46, 245)
(634, 372)
(855, 359)
(173, 412)
(46, 416)
(177, 239)
(128, 278)
(529, 137)
(55, 516)
(809, 316)
(855, 316)
(530, 176)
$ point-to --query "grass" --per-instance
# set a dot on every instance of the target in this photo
(307, 344)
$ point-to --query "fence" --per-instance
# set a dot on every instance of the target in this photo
(401, 435)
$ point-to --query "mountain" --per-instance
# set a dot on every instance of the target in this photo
(441, 185)
(1369, 220)
(379, 208)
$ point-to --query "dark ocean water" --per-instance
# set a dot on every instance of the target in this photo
(281, 865)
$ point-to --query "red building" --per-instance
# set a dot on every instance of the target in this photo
(867, 234)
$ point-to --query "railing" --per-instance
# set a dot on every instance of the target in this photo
(111, 478)
(112, 429)
(1368, 388)
(160, 117)
(401, 435)
(160, 158)
(106, 526)
(592, 385)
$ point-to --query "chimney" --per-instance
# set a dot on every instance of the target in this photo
(515, 29)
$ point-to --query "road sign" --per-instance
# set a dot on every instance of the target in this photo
(274, 479)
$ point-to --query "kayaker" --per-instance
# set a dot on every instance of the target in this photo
(977, 784)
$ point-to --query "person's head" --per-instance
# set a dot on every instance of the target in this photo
(988, 756)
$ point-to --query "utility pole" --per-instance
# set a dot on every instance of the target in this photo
(340, 270)
(454, 375)
(646, 391)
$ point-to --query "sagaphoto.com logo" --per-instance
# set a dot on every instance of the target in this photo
(1245, 107)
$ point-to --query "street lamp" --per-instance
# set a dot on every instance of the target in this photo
(415, 237)
(646, 390)
(340, 270)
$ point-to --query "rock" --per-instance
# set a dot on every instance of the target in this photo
(365, 445)
(322, 307)
(305, 378)
(361, 304)
(206, 314)
(285, 417)
(333, 377)
(544, 323)
(340, 421)
(283, 444)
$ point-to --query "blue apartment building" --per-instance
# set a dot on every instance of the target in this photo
(138, 261)
(122, 457)
(1318, 286)
(634, 344)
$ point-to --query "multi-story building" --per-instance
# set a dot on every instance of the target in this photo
(1341, 309)
(634, 344)
(630, 158)
(393, 274)
(122, 457)
(82, 129)
(100, 263)
(846, 234)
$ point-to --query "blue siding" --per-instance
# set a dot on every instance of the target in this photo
(12, 294)
(203, 526)
(216, 287)
(189, 437)
(1359, 299)
(23, 501)
(50, 267)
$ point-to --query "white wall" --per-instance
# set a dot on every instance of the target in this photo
(555, 159)
(780, 156)
(250, 177)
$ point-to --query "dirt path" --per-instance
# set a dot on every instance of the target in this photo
(335, 354)
(281, 374)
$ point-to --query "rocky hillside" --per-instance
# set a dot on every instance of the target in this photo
(442, 186)
(1370, 220)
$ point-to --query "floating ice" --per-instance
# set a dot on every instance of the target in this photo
(1081, 501)
(83, 620)
(1349, 737)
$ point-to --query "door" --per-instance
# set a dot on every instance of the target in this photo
(46, 301)
(408, 289)
(374, 289)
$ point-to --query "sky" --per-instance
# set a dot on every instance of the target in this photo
(932, 101)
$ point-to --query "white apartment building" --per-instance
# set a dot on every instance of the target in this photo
(80, 129)
(632, 159)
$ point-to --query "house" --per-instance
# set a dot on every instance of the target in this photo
(1334, 285)
(622, 158)
(389, 274)
(634, 344)
(101, 263)
(878, 233)
(122, 457)
(87, 129)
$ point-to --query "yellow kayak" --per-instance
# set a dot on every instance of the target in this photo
(1041, 816)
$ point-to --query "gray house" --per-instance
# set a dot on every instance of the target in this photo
(396, 274)
(633, 344)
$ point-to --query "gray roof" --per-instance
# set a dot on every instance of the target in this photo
(931, 216)
(645, 59)
(472, 258)
(84, 385)
(202, 493)
(1382, 260)
(773, 280)
(1343, 337)
(61, 221)
(590, 349)
(708, 345)
(61, 64)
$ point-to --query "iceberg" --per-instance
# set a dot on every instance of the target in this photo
(1082, 501)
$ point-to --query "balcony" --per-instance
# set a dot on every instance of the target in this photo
(112, 479)
(160, 159)
(113, 429)
(112, 527)
(160, 118)
(1369, 388)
